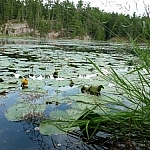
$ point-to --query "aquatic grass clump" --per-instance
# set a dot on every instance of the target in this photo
(134, 119)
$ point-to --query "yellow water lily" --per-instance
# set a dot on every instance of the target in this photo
(24, 82)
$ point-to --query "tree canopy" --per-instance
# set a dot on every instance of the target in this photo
(74, 20)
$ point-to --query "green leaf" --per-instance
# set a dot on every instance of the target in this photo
(59, 114)
(49, 129)
(18, 111)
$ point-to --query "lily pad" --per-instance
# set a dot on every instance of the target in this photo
(36, 83)
(19, 110)
(60, 115)
(47, 128)
(84, 98)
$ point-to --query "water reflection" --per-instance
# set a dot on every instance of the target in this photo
(26, 135)
(4, 41)
(73, 141)
(65, 142)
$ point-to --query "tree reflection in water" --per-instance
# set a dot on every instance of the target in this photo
(61, 142)
(75, 141)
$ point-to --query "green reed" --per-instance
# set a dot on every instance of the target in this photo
(133, 120)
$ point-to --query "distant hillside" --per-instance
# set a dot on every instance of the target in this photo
(15, 28)
(64, 19)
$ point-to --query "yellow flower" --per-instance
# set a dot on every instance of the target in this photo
(24, 82)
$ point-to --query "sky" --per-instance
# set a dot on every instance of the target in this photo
(120, 6)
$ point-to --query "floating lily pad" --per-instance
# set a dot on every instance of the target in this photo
(69, 57)
(19, 110)
(74, 113)
(59, 83)
(36, 83)
(60, 115)
(47, 128)
(8, 86)
(31, 91)
(86, 98)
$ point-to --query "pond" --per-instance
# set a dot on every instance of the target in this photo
(37, 60)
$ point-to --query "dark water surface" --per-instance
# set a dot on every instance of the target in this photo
(12, 134)
(22, 135)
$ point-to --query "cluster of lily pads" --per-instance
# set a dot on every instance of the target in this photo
(38, 62)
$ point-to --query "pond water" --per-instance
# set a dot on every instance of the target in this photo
(37, 59)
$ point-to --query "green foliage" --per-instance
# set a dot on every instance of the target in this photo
(74, 21)
(136, 116)
(107, 113)
(24, 111)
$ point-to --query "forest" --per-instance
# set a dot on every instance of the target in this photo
(74, 20)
